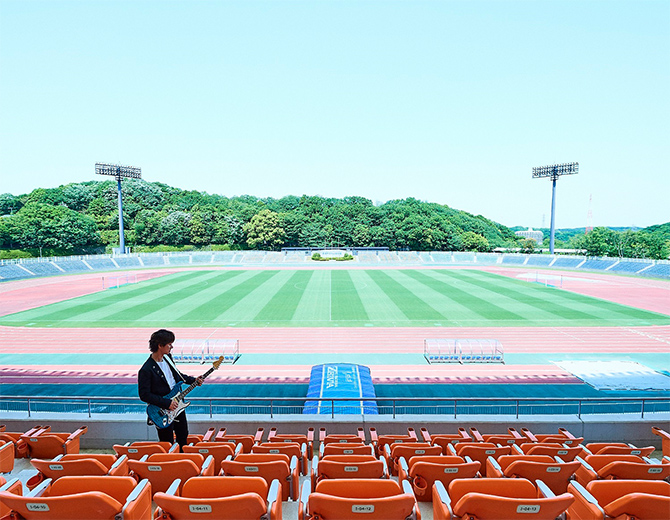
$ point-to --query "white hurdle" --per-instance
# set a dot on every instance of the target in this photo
(206, 350)
(463, 351)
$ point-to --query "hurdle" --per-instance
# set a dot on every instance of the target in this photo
(463, 351)
(206, 350)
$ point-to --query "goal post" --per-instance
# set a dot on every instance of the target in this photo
(206, 350)
(116, 281)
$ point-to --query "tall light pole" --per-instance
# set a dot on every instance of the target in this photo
(119, 172)
(554, 172)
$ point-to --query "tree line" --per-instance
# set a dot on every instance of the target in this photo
(83, 217)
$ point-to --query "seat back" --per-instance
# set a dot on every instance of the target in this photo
(566, 453)
(597, 462)
(98, 506)
(376, 499)
(264, 465)
(480, 452)
(602, 448)
(55, 469)
(348, 448)
(634, 471)
(292, 449)
(554, 474)
(218, 450)
(247, 441)
(494, 507)
(425, 470)
(162, 471)
(136, 451)
(245, 506)
(607, 491)
(350, 466)
(7, 456)
(502, 487)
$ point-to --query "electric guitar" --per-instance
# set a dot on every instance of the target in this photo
(163, 418)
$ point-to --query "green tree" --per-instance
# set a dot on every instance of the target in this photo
(474, 242)
(265, 231)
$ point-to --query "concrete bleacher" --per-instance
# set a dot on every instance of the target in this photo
(101, 263)
(540, 260)
(464, 257)
(657, 271)
(43, 269)
(567, 262)
(178, 259)
(127, 261)
(153, 260)
(409, 257)
(13, 272)
(367, 257)
(73, 266)
(629, 267)
(598, 264)
(442, 257)
(223, 256)
(512, 259)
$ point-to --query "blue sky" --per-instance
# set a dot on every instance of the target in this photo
(452, 102)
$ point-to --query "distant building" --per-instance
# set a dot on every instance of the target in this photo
(538, 236)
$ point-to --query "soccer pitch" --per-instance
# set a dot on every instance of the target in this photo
(317, 298)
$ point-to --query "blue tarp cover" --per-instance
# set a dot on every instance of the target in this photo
(340, 380)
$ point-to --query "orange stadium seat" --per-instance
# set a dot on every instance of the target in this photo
(374, 499)
(393, 452)
(292, 449)
(20, 440)
(554, 473)
(247, 441)
(138, 449)
(161, 469)
(77, 464)
(479, 451)
(553, 449)
(620, 499)
(347, 466)
(358, 438)
(563, 437)
(95, 498)
(6, 456)
(307, 439)
(627, 467)
(345, 448)
(615, 448)
(47, 444)
(423, 471)
(218, 450)
(269, 466)
(14, 487)
(665, 438)
(512, 437)
(442, 439)
(379, 441)
(224, 498)
(495, 499)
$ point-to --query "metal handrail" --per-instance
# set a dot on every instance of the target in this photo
(393, 403)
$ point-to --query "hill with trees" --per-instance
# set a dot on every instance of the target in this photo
(83, 218)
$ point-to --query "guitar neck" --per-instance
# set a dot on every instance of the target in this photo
(194, 384)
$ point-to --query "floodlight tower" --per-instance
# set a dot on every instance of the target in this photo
(119, 172)
(554, 172)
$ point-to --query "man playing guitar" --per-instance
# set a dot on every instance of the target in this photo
(156, 379)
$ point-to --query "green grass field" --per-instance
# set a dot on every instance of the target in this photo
(304, 298)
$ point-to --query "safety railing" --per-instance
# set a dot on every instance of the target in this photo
(631, 407)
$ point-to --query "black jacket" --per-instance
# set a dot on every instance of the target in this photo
(152, 385)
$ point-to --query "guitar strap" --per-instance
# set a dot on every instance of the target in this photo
(171, 363)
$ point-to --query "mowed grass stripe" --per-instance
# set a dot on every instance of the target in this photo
(598, 309)
(378, 306)
(345, 302)
(283, 304)
(534, 296)
(481, 308)
(315, 302)
(76, 308)
(413, 307)
(137, 308)
(258, 291)
(195, 303)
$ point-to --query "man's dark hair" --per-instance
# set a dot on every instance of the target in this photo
(160, 338)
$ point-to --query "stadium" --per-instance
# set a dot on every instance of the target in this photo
(449, 341)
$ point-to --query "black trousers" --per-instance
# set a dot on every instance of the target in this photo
(178, 428)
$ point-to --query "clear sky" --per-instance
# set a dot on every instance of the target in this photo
(446, 101)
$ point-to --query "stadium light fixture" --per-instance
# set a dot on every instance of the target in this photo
(119, 172)
(553, 172)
